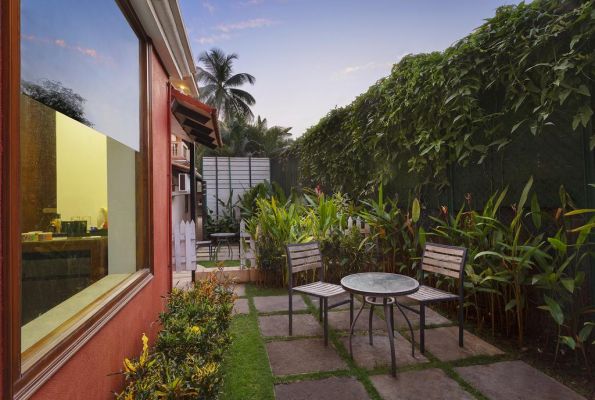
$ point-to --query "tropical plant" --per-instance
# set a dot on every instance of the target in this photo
(228, 221)
(561, 279)
(186, 359)
(397, 236)
(222, 86)
(242, 138)
(263, 190)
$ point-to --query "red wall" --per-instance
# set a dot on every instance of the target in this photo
(1, 164)
(85, 375)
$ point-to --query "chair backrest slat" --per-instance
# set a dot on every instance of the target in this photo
(296, 255)
(298, 248)
(305, 260)
(442, 271)
(303, 256)
(457, 251)
(443, 264)
(445, 260)
(305, 267)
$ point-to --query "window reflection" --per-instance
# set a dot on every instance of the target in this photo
(89, 48)
(80, 138)
(77, 186)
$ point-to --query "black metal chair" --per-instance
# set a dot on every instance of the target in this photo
(444, 260)
(205, 243)
(305, 256)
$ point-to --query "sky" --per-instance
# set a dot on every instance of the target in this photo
(309, 56)
(96, 57)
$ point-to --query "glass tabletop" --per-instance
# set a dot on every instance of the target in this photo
(222, 235)
(380, 284)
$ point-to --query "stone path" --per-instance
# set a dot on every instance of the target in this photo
(332, 374)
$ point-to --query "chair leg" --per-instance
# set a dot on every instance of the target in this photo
(320, 307)
(461, 318)
(326, 321)
(370, 322)
(422, 327)
(290, 313)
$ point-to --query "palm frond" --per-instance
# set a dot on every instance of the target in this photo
(244, 96)
(239, 80)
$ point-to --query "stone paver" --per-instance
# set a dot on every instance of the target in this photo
(431, 384)
(514, 380)
(278, 325)
(303, 356)
(278, 303)
(344, 388)
(336, 299)
(182, 280)
(432, 318)
(444, 344)
(339, 321)
(240, 306)
(240, 290)
(378, 355)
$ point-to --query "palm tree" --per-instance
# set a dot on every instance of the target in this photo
(221, 89)
(244, 139)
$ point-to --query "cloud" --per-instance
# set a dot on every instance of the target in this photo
(62, 43)
(209, 7)
(253, 23)
(249, 3)
(345, 72)
(213, 39)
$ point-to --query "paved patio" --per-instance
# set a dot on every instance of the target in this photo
(305, 369)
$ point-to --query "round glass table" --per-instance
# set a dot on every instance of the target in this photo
(379, 285)
(224, 237)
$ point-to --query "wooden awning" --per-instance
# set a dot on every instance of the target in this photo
(196, 119)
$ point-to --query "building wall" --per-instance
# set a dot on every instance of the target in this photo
(178, 208)
(85, 374)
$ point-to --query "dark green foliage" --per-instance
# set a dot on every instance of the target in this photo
(242, 138)
(57, 97)
(187, 356)
(528, 69)
(228, 222)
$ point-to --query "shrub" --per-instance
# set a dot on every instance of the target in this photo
(186, 358)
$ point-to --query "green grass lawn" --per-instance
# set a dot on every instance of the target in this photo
(247, 371)
(213, 263)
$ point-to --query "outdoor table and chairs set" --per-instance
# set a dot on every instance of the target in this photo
(378, 289)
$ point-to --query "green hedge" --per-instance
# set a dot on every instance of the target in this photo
(527, 70)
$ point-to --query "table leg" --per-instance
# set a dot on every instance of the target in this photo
(390, 337)
(410, 329)
(370, 321)
(353, 325)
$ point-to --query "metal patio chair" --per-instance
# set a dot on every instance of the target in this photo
(205, 243)
(305, 256)
(444, 260)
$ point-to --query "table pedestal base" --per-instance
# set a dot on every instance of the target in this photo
(387, 305)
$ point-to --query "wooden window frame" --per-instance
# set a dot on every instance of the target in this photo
(19, 382)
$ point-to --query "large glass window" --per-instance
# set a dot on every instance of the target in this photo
(80, 140)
